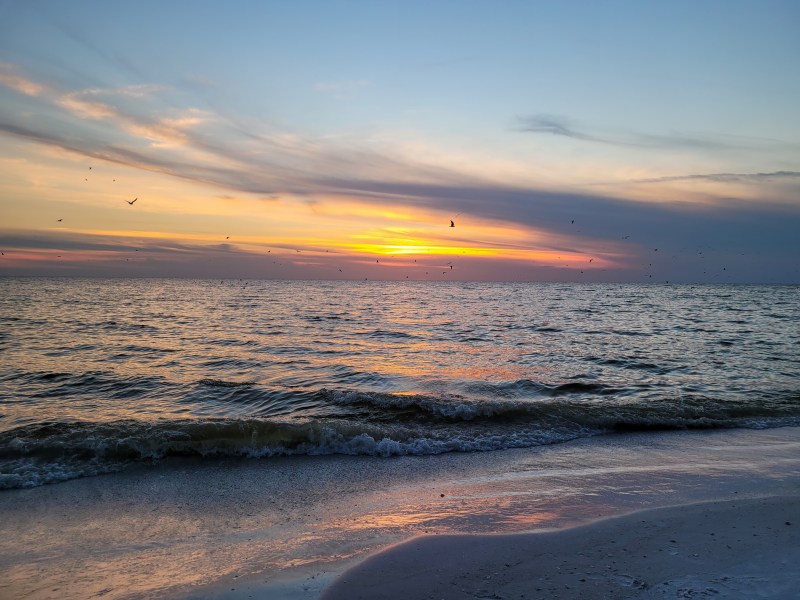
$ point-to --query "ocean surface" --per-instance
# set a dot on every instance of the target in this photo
(97, 375)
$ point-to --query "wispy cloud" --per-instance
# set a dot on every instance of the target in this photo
(561, 126)
(726, 177)
(553, 125)
(18, 83)
(81, 107)
(113, 104)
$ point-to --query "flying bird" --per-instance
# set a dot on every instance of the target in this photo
(60, 220)
(132, 201)
(451, 223)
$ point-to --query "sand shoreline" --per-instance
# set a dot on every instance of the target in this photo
(746, 548)
(286, 528)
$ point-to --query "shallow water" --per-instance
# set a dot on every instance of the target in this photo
(100, 374)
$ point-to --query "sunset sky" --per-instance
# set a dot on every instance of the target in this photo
(567, 141)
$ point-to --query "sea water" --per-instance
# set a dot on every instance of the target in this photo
(98, 375)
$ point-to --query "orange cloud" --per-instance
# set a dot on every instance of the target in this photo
(19, 84)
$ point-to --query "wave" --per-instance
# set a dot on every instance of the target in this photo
(225, 384)
(359, 423)
(589, 408)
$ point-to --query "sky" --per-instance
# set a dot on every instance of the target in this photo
(592, 141)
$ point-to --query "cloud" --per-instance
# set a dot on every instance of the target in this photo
(553, 125)
(291, 165)
(84, 108)
(18, 83)
(563, 127)
(112, 104)
(208, 149)
(726, 177)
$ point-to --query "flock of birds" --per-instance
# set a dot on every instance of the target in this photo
(450, 264)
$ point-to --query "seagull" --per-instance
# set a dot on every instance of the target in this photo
(132, 201)
(60, 220)
(451, 223)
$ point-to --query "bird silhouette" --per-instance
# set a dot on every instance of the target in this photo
(60, 220)
(132, 201)
(452, 224)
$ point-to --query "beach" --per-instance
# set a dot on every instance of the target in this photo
(727, 549)
(288, 528)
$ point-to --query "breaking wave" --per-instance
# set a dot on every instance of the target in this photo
(374, 424)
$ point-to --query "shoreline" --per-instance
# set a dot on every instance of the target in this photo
(286, 528)
(730, 549)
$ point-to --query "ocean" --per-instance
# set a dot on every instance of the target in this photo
(100, 375)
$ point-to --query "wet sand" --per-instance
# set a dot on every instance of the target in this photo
(286, 528)
(729, 549)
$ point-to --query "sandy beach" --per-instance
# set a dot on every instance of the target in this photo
(727, 549)
(537, 522)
